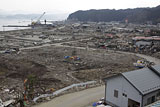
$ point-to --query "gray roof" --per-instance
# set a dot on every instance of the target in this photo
(157, 68)
(144, 80)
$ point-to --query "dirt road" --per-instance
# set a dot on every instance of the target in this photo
(77, 99)
(148, 58)
(53, 44)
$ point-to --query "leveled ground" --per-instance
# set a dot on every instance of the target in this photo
(55, 58)
(52, 70)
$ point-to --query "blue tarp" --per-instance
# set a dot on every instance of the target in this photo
(94, 104)
(66, 57)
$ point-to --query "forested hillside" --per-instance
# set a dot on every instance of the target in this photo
(137, 15)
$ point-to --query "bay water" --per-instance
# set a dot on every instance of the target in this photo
(21, 22)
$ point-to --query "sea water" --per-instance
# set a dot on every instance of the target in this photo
(21, 22)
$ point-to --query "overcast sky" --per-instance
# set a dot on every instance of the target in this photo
(69, 6)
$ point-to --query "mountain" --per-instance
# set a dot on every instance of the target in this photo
(9, 15)
(137, 15)
(36, 16)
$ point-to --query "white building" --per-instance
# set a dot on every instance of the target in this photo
(133, 89)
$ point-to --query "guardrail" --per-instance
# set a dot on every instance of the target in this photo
(63, 89)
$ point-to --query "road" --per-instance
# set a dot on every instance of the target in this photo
(54, 44)
(148, 58)
(59, 45)
(77, 99)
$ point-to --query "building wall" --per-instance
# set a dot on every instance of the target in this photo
(149, 96)
(122, 86)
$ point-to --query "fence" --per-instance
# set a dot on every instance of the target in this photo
(63, 89)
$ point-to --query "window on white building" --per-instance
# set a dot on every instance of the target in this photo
(116, 93)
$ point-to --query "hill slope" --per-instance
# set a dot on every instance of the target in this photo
(137, 15)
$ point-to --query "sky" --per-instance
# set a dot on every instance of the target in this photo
(69, 6)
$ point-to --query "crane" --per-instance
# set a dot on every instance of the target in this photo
(38, 20)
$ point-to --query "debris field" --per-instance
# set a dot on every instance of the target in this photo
(53, 58)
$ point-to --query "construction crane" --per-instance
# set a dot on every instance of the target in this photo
(38, 20)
